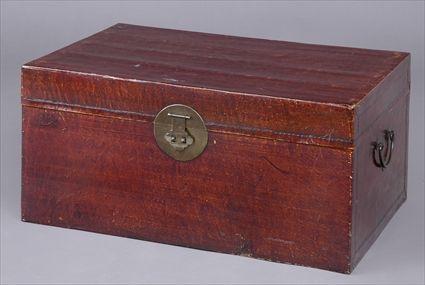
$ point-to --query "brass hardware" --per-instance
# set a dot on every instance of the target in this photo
(180, 132)
(178, 137)
(379, 159)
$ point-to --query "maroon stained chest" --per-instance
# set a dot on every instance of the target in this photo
(283, 151)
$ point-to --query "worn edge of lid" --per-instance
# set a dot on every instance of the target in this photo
(391, 87)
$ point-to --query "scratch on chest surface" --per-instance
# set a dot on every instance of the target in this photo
(275, 166)
(281, 240)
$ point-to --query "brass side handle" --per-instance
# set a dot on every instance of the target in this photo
(382, 153)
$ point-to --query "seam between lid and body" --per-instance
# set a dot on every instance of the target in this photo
(212, 126)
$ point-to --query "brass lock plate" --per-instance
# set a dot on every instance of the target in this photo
(180, 132)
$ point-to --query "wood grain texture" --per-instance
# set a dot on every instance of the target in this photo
(306, 72)
(307, 91)
(287, 174)
(254, 115)
(256, 197)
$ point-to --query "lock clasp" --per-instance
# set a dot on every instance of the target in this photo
(180, 132)
(178, 137)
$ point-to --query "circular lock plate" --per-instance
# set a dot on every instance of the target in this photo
(180, 132)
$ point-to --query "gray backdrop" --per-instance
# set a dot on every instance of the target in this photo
(40, 254)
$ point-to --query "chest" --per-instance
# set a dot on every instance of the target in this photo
(288, 152)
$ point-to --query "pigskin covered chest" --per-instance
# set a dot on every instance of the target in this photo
(288, 152)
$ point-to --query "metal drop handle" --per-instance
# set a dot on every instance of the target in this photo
(382, 153)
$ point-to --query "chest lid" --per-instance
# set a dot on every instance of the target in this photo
(281, 90)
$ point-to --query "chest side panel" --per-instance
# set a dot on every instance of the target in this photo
(379, 193)
(263, 198)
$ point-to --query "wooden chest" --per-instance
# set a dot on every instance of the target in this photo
(282, 151)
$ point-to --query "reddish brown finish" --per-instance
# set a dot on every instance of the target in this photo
(378, 194)
(299, 121)
(307, 72)
(287, 174)
(243, 195)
